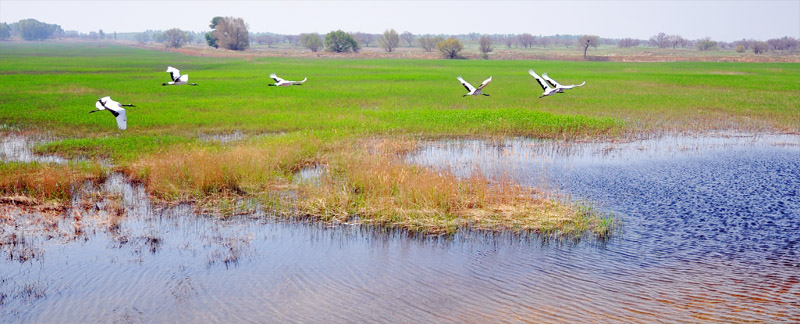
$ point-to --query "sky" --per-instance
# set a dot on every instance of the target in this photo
(720, 20)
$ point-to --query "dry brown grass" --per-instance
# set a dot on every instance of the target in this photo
(197, 173)
(365, 181)
(372, 183)
(43, 182)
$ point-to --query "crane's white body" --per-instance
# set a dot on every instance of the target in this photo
(284, 83)
(558, 86)
(106, 103)
(548, 91)
(473, 91)
(177, 78)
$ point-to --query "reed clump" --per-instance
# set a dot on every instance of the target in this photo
(202, 172)
(370, 182)
(46, 181)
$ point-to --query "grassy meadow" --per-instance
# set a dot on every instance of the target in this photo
(357, 117)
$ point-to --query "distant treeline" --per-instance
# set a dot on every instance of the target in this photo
(232, 33)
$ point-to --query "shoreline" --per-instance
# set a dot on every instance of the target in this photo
(294, 200)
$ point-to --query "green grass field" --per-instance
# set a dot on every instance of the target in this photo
(52, 86)
(49, 88)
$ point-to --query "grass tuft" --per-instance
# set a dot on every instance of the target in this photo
(372, 183)
(46, 181)
(205, 171)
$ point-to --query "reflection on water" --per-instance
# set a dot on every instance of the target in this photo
(711, 223)
(18, 148)
(711, 232)
(222, 138)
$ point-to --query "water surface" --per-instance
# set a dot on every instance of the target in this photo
(710, 232)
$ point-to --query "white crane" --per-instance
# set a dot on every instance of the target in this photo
(559, 87)
(283, 83)
(548, 91)
(472, 90)
(115, 108)
(177, 78)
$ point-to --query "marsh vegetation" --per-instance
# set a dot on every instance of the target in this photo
(691, 235)
(356, 117)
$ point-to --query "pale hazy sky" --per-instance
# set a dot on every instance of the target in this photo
(720, 20)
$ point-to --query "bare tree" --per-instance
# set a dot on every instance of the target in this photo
(676, 40)
(509, 41)
(268, 40)
(311, 41)
(408, 37)
(661, 40)
(526, 40)
(485, 45)
(429, 42)
(389, 40)
(542, 41)
(365, 38)
(588, 40)
(292, 39)
(231, 33)
(784, 44)
(628, 42)
(760, 47)
(450, 47)
(174, 38)
(744, 43)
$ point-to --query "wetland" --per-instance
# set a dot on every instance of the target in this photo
(375, 192)
(708, 232)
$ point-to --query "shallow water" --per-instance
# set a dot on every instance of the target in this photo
(17, 148)
(710, 233)
(711, 224)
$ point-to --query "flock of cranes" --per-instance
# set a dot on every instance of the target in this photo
(549, 86)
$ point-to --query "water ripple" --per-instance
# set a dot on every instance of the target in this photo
(711, 227)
